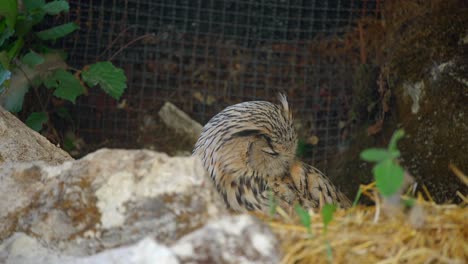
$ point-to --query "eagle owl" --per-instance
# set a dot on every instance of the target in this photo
(249, 152)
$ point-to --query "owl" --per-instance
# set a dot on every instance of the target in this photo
(248, 150)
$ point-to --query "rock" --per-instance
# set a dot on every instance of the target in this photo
(233, 239)
(180, 122)
(123, 206)
(21, 248)
(20, 143)
(107, 199)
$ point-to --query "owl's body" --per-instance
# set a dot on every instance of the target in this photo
(249, 151)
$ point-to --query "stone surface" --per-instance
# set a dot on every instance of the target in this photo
(233, 239)
(123, 206)
(181, 122)
(23, 249)
(107, 199)
(20, 143)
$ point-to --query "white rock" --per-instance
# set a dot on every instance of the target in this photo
(97, 209)
(107, 199)
(22, 249)
(232, 239)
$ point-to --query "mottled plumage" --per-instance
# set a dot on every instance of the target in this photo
(249, 149)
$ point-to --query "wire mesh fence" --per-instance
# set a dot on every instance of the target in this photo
(203, 55)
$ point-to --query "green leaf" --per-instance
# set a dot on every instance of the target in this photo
(388, 177)
(392, 146)
(111, 79)
(5, 75)
(378, 154)
(13, 96)
(272, 203)
(358, 196)
(304, 217)
(69, 144)
(43, 49)
(410, 202)
(23, 27)
(4, 60)
(57, 32)
(33, 15)
(327, 214)
(5, 32)
(301, 147)
(9, 10)
(64, 113)
(36, 120)
(55, 7)
(36, 17)
(32, 59)
(67, 86)
(14, 50)
(33, 4)
(329, 252)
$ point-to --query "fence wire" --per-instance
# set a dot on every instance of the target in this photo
(203, 55)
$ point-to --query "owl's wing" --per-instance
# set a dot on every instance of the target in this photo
(314, 188)
(244, 193)
(248, 192)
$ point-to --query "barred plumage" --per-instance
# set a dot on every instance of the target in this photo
(249, 149)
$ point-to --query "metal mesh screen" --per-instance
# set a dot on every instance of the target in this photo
(203, 55)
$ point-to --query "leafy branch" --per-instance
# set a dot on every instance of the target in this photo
(27, 60)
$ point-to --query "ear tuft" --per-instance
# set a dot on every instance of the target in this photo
(284, 102)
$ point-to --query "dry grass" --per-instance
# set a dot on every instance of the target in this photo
(428, 233)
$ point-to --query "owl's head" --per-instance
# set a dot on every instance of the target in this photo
(253, 137)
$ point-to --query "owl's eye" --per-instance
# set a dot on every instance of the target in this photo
(264, 140)
(247, 133)
(268, 149)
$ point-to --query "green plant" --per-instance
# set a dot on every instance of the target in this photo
(28, 61)
(387, 172)
(272, 203)
(327, 216)
(304, 217)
